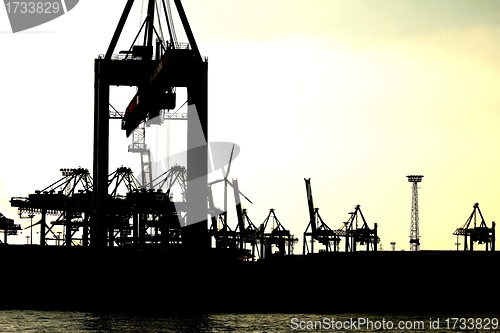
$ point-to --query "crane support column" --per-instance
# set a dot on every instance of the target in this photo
(101, 156)
(196, 230)
(101, 139)
(43, 226)
(195, 233)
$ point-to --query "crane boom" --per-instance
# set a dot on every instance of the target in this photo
(312, 215)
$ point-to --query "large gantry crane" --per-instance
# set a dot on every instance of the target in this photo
(279, 241)
(155, 77)
(155, 219)
(354, 234)
(69, 198)
(317, 229)
(246, 231)
(225, 236)
(472, 232)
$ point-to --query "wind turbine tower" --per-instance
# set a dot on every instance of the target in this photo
(414, 232)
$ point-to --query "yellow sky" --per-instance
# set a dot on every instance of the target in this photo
(352, 94)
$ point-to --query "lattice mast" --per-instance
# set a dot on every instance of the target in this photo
(414, 228)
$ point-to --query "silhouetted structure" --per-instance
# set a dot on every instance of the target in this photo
(245, 230)
(355, 234)
(279, 239)
(247, 234)
(472, 232)
(224, 236)
(69, 199)
(414, 228)
(317, 229)
(147, 259)
(155, 219)
(8, 227)
(174, 65)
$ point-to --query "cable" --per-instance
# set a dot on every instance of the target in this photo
(170, 23)
(159, 22)
(142, 9)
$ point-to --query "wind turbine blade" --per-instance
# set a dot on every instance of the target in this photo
(215, 182)
(230, 159)
(223, 173)
(228, 182)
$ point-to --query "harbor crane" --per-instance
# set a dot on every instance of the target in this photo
(359, 235)
(474, 233)
(317, 229)
(174, 65)
(69, 199)
(279, 239)
(226, 236)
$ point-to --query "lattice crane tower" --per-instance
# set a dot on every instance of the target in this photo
(414, 232)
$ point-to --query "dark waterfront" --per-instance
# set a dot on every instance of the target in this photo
(62, 321)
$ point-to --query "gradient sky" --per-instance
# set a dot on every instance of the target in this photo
(355, 95)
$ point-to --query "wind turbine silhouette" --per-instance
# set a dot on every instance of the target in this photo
(227, 182)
